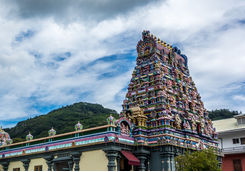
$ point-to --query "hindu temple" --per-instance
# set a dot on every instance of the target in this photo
(162, 117)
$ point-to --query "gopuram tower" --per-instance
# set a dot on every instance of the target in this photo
(164, 105)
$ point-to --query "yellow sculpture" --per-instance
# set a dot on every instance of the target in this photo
(138, 117)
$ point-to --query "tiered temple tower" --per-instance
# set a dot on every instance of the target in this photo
(162, 100)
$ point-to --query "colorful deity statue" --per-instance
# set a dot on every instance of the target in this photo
(200, 145)
(78, 126)
(9, 141)
(174, 85)
(193, 124)
(125, 129)
(202, 126)
(210, 128)
(200, 112)
(51, 132)
(181, 75)
(29, 137)
(164, 60)
(160, 93)
(186, 125)
(166, 71)
(4, 138)
(172, 100)
(206, 132)
(111, 120)
(181, 87)
(177, 121)
(194, 95)
(169, 84)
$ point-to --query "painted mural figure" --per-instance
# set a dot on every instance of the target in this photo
(125, 129)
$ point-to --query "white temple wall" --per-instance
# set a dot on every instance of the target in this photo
(93, 161)
(16, 164)
(37, 162)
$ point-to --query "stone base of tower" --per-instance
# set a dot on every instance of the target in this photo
(162, 158)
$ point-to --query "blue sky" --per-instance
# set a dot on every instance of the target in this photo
(55, 53)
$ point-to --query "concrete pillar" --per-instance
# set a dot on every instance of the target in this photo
(53, 167)
(49, 162)
(172, 163)
(142, 155)
(118, 162)
(167, 162)
(5, 165)
(112, 153)
(76, 159)
(142, 159)
(70, 165)
(26, 163)
(147, 164)
(111, 160)
(164, 163)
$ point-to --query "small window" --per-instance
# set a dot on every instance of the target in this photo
(235, 141)
(38, 168)
(237, 165)
(243, 141)
(16, 169)
(239, 121)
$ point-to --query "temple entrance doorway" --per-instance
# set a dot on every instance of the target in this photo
(62, 166)
(128, 161)
(124, 166)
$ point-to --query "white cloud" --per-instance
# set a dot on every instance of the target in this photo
(239, 98)
(209, 33)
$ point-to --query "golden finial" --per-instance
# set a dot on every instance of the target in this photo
(164, 44)
(161, 42)
(158, 41)
(168, 46)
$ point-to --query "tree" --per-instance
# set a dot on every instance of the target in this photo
(204, 160)
(221, 114)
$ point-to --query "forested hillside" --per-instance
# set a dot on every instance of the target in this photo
(222, 114)
(62, 120)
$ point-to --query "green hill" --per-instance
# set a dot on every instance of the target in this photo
(221, 114)
(62, 120)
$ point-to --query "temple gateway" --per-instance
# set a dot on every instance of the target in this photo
(162, 117)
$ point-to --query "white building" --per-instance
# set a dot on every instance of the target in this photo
(231, 134)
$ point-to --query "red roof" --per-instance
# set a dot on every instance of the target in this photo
(132, 160)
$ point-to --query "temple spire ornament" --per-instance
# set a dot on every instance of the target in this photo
(51, 132)
(4, 138)
(78, 126)
(111, 120)
(29, 137)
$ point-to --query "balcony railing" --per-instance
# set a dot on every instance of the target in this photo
(231, 150)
